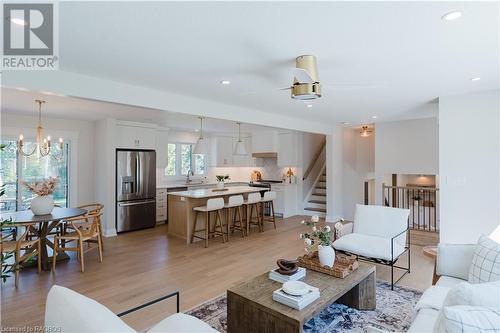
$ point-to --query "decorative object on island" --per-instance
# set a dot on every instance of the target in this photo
(42, 147)
(239, 148)
(256, 176)
(220, 180)
(287, 267)
(344, 264)
(43, 203)
(319, 239)
(201, 146)
(290, 176)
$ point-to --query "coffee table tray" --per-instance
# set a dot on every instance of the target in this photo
(343, 266)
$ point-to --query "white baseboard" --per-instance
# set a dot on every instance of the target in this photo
(109, 232)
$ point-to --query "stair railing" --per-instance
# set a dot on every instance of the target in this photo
(421, 201)
(314, 159)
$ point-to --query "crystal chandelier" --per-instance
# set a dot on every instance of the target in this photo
(43, 146)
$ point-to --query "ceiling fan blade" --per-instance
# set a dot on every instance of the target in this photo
(302, 75)
(287, 88)
(351, 85)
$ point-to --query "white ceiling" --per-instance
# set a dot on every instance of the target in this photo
(22, 102)
(403, 48)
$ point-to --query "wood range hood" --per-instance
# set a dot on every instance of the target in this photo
(265, 155)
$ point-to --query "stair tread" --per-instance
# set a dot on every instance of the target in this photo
(317, 201)
(323, 210)
(320, 187)
(320, 194)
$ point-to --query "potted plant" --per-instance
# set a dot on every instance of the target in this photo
(320, 238)
(43, 203)
(220, 180)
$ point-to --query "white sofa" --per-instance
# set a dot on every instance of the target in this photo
(379, 234)
(69, 311)
(453, 263)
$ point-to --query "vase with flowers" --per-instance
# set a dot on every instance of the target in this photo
(43, 202)
(220, 180)
(320, 239)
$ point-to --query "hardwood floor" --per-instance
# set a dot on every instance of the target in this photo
(143, 265)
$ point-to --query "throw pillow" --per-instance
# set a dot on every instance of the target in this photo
(471, 319)
(479, 294)
(485, 265)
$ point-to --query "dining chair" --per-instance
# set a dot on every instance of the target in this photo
(95, 208)
(30, 246)
(79, 229)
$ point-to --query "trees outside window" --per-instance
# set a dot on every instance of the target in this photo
(181, 160)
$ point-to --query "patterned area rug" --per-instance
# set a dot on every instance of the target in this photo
(393, 313)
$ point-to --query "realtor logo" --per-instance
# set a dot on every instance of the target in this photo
(29, 36)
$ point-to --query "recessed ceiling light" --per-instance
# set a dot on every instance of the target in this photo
(226, 82)
(345, 123)
(452, 15)
(374, 117)
(18, 21)
(196, 130)
(309, 105)
(475, 79)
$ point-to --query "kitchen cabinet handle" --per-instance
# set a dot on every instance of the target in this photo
(121, 204)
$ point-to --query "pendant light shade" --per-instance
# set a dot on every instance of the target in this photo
(201, 146)
(239, 148)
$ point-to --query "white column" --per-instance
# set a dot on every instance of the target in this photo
(334, 162)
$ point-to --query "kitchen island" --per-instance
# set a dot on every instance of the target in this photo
(181, 204)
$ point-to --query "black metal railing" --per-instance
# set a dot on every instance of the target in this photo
(421, 201)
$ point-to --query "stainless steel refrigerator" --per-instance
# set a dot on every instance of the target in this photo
(135, 189)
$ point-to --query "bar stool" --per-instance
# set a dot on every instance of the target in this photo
(213, 205)
(268, 199)
(253, 201)
(235, 202)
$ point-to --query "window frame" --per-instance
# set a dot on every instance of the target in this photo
(178, 161)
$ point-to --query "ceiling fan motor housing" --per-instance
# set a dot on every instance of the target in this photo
(305, 91)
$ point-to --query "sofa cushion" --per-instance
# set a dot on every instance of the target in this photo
(466, 318)
(368, 246)
(424, 321)
(381, 221)
(448, 281)
(70, 311)
(454, 260)
(478, 294)
(179, 323)
(432, 298)
(486, 261)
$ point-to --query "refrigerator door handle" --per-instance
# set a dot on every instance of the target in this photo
(135, 203)
(137, 175)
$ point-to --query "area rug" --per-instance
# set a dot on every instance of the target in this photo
(393, 313)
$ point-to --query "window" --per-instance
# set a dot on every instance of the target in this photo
(15, 167)
(181, 160)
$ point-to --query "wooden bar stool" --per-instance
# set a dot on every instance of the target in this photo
(251, 204)
(268, 199)
(235, 203)
(213, 205)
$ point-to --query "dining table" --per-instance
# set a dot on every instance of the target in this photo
(46, 223)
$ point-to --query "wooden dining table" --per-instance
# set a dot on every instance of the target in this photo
(47, 224)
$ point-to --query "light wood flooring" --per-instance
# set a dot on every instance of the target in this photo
(143, 265)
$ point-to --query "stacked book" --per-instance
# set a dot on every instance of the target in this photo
(274, 275)
(296, 302)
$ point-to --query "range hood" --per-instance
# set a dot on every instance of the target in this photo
(265, 155)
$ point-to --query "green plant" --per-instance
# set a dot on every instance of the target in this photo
(222, 178)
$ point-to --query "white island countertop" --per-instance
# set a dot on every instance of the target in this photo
(209, 192)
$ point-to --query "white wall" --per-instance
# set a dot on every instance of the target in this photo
(405, 147)
(358, 166)
(469, 164)
(79, 134)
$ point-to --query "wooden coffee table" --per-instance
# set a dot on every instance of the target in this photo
(251, 308)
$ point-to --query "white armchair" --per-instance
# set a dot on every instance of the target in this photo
(69, 311)
(380, 234)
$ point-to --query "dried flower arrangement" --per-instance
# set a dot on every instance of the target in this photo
(44, 187)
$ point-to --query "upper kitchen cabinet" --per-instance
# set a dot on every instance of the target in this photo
(243, 160)
(161, 148)
(287, 149)
(264, 142)
(135, 135)
(221, 151)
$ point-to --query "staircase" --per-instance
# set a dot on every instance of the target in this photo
(316, 201)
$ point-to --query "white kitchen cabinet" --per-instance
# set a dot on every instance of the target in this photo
(264, 142)
(135, 135)
(243, 160)
(287, 149)
(285, 203)
(161, 205)
(221, 151)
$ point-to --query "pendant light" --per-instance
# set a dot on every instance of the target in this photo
(201, 146)
(365, 131)
(239, 148)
